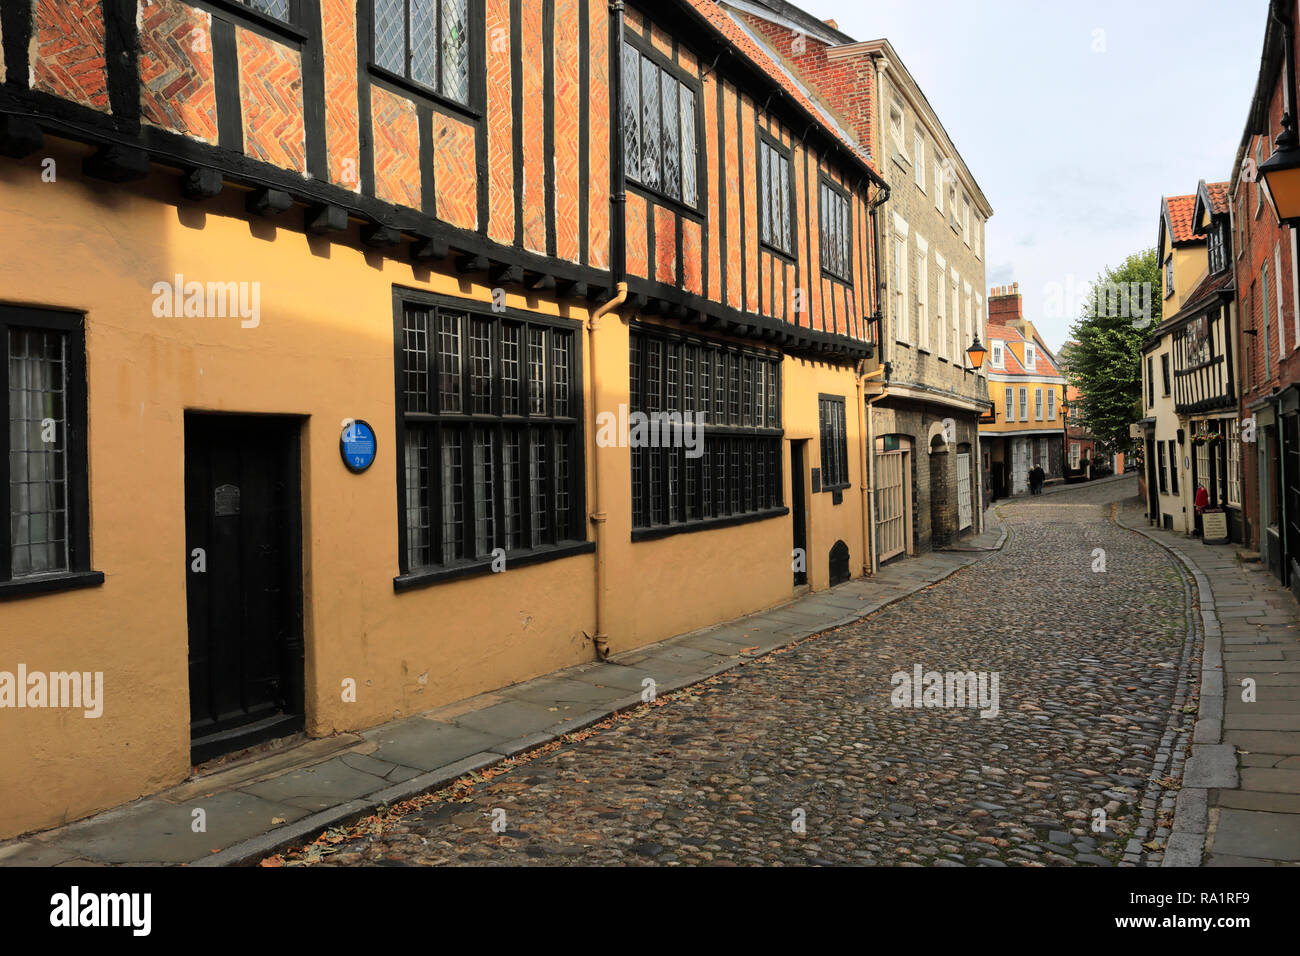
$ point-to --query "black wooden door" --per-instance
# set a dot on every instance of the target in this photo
(1153, 491)
(797, 512)
(243, 580)
(1290, 478)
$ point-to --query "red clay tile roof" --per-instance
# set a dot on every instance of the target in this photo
(1011, 363)
(745, 44)
(1218, 196)
(1180, 217)
(1205, 291)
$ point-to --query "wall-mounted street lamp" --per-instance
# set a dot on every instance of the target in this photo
(976, 352)
(1279, 176)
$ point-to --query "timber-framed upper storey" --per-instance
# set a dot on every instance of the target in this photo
(483, 139)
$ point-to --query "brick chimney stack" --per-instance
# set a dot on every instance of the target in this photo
(1005, 304)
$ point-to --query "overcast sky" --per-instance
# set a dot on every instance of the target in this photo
(1075, 118)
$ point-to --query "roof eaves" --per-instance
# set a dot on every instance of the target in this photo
(701, 14)
(788, 15)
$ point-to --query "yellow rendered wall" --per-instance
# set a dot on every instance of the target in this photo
(998, 395)
(323, 350)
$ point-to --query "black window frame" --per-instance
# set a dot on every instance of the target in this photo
(1160, 457)
(294, 28)
(824, 183)
(702, 502)
(1151, 382)
(1169, 275)
(834, 447)
(557, 543)
(79, 572)
(786, 156)
(1217, 241)
(635, 182)
(475, 21)
(1164, 374)
(1173, 466)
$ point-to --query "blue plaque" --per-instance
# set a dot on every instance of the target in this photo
(357, 446)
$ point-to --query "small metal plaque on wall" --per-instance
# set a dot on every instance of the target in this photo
(357, 446)
(226, 500)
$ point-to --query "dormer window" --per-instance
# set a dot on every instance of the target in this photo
(1218, 243)
(996, 356)
(1030, 358)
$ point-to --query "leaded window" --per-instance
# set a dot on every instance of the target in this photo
(836, 232)
(775, 199)
(491, 434)
(834, 443)
(709, 445)
(1218, 244)
(285, 10)
(660, 145)
(43, 448)
(425, 41)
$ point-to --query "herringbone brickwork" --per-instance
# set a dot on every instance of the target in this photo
(665, 245)
(598, 136)
(692, 257)
(731, 159)
(270, 88)
(342, 133)
(177, 91)
(568, 188)
(749, 169)
(534, 96)
(397, 148)
(714, 204)
(179, 74)
(68, 59)
(455, 182)
(637, 253)
(501, 151)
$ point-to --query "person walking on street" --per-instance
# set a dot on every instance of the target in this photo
(1036, 477)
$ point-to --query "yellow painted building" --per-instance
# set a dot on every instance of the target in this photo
(1183, 254)
(1027, 424)
(306, 392)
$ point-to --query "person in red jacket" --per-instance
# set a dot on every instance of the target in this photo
(1202, 502)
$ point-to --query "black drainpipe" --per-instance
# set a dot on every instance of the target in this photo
(617, 164)
(881, 199)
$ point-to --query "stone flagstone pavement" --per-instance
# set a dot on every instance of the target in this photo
(1240, 799)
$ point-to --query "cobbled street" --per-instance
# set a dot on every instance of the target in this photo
(1090, 718)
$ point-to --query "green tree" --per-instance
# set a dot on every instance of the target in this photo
(1105, 359)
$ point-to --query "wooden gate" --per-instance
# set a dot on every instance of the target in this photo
(964, 510)
(893, 497)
